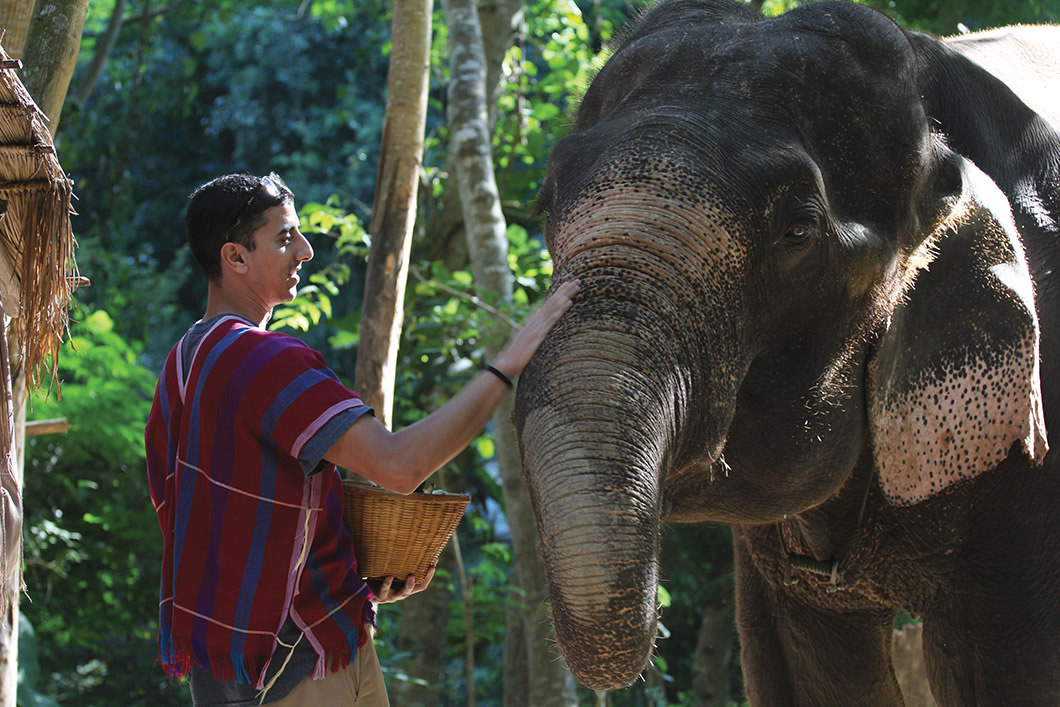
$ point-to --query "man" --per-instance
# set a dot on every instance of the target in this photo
(242, 442)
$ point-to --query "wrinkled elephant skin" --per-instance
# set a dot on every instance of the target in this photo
(820, 267)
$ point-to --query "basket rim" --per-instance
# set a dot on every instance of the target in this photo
(367, 490)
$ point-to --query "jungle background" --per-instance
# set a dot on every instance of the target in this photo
(169, 94)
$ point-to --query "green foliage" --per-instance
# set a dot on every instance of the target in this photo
(29, 679)
(204, 89)
(949, 17)
(92, 542)
(546, 74)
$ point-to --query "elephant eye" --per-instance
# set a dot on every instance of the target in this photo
(800, 233)
(800, 221)
(544, 207)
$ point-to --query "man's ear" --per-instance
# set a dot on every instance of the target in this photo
(233, 258)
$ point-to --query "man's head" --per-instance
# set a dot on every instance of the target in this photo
(229, 209)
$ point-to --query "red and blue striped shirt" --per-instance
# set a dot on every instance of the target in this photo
(249, 538)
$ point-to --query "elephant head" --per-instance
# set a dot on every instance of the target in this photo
(784, 269)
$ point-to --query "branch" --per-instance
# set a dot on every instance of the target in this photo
(151, 15)
(48, 565)
(104, 47)
(469, 298)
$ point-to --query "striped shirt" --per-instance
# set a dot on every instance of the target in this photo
(249, 539)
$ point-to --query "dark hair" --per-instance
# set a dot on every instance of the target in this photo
(230, 208)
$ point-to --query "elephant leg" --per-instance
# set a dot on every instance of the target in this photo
(992, 636)
(986, 648)
(798, 655)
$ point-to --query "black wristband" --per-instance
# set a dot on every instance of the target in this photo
(494, 371)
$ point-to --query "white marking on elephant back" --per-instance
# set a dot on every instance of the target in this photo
(960, 425)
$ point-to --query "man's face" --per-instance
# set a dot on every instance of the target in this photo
(279, 251)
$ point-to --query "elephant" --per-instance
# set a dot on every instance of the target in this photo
(819, 258)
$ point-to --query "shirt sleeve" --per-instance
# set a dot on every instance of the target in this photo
(311, 458)
(311, 408)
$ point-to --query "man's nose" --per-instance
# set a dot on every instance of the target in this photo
(306, 250)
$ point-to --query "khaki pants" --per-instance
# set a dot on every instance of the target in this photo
(360, 683)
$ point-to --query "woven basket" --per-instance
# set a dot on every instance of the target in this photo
(396, 535)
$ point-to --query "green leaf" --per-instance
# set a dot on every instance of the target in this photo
(663, 597)
(545, 111)
(99, 322)
(485, 447)
(197, 40)
(440, 272)
(324, 302)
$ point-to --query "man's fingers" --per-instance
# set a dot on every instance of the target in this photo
(420, 586)
(554, 307)
(562, 299)
(387, 594)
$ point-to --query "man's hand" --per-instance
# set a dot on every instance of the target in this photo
(387, 594)
(521, 347)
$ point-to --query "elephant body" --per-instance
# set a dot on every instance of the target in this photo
(820, 267)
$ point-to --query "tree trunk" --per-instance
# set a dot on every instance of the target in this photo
(500, 21)
(394, 209)
(104, 47)
(710, 664)
(908, 659)
(516, 676)
(51, 53)
(14, 21)
(549, 681)
(393, 220)
(422, 634)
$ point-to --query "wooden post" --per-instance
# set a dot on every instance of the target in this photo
(10, 528)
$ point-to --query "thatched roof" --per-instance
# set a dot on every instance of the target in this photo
(35, 232)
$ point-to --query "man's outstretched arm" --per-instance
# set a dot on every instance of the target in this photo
(400, 461)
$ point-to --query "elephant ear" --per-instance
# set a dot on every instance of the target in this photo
(954, 382)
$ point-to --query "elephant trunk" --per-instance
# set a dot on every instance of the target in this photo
(594, 474)
(599, 408)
